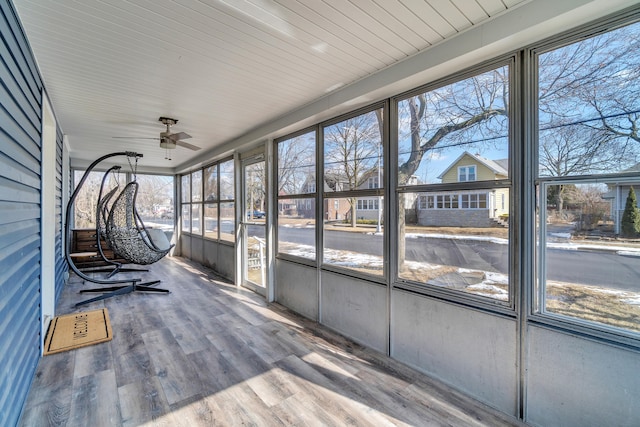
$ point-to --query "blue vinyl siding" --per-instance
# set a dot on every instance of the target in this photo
(20, 184)
(61, 263)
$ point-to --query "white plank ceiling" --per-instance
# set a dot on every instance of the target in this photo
(222, 67)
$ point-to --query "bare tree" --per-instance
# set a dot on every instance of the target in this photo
(469, 112)
(352, 149)
(155, 192)
(296, 164)
(592, 207)
(589, 105)
(86, 202)
(255, 187)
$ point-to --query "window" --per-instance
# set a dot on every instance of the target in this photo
(196, 186)
(352, 164)
(155, 201)
(466, 173)
(452, 244)
(210, 220)
(587, 167)
(368, 204)
(210, 213)
(196, 202)
(185, 198)
(196, 218)
(84, 208)
(296, 195)
(208, 202)
(211, 183)
(226, 206)
(185, 188)
(372, 182)
(455, 201)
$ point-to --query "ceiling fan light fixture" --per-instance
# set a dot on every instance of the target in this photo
(167, 143)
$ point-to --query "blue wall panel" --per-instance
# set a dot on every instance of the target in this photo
(20, 168)
(61, 263)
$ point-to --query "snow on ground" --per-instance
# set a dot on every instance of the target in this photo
(496, 240)
(490, 285)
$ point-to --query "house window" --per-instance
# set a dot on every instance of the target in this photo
(466, 173)
(372, 182)
(367, 204)
(587, 121)
(425, 202)
(454, 201)
(296, 165)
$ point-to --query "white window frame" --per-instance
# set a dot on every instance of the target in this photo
(465, 172)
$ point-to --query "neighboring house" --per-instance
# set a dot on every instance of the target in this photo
(340, 208)
(334, 209)
(618, 193)
(472, 208)
(370, 208)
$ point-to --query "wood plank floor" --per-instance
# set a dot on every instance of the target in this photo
(209, 354)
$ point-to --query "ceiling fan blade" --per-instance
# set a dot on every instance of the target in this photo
(179, 135)
(187, 145)
(132, 137)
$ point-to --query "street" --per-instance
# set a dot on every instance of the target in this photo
(599, 268)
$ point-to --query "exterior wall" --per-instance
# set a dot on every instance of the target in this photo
(61, 267)
(577, 382)
(472, 351)
(339, 211)
(499, 210)
(483, 173)
(455, 218)
(297, 288)
(20, 215)
(356, 308)
(371, 214)
(218, 256)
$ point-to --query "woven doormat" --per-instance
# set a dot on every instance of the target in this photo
(77, 330)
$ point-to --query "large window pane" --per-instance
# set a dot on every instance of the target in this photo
(84, 207)
(185, 188)
(297, 165)
(226, 181)
(590, 262)
(211, 183)
(186, 218)
(196, 186)
(457, 240)
(211, 220)
(155, 201)
(353, 152)
(196, 218)
(227, 222)
(296, 227)
(589, 105)
(588, 109)
(297, 176)
(353, 245)
(456, 126)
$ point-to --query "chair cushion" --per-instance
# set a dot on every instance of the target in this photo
(158, 238)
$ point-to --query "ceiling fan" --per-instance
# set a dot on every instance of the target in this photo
(169, 140)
